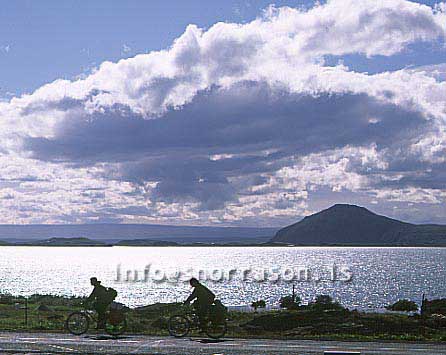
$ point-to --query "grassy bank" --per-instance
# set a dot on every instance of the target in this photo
(48, 313)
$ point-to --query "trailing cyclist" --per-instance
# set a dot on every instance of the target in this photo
(101, 297)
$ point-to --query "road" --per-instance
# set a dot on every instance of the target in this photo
(40, 343)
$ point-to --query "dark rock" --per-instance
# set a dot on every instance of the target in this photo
(44, 308)
(253, 329)
(158, 309)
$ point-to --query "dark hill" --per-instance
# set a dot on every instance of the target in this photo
(146, 243)
(61, 242)
(344, 224)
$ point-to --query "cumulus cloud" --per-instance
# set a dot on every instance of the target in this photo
(5, 48)
(241, 123)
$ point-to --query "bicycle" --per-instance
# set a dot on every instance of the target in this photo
(179, 325)
(78, 322)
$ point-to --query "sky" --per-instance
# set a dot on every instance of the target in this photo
(242, 113)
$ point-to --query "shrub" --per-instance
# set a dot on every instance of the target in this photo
(288, 302)
(54, 300)
(258, 304)
(324, 299)
(8, 299)
(325, 302)
(403, 306)
(437, 306)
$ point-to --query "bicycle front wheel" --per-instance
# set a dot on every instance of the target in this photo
(178, 326)
(77, 323)
(216, 329)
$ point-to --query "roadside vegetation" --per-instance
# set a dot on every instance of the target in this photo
(321, 319)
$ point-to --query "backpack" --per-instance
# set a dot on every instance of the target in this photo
(111, 294)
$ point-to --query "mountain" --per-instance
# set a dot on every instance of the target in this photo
(344, 224)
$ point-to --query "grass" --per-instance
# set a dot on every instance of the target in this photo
(48, 313)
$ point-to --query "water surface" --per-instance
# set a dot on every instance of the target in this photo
(380, 275)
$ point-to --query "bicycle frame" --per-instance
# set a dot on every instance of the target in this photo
(192, 316)
(113, 327)
(193, 322)
(91, 314)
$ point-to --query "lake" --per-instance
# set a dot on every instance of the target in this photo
(366, 277)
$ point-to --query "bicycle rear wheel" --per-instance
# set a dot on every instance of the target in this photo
(216, 329)
(178, 326)
(77, 323)
(115, 327)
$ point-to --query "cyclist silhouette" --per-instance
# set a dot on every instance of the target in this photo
(203, 299)
(100, 300)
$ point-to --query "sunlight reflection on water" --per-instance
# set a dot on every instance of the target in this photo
(380, 275)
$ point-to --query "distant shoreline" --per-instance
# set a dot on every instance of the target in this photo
(231, 245)
(87, 242)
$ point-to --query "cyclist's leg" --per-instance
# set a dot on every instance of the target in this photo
(101, 309)
(202, 309)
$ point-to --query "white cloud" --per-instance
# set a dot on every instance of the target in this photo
(5, 48)
(126, 49)
(413, 195)
(285, 46)
(281, 53)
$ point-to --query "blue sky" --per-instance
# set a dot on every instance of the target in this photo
(221, 113)
(61, 39)
(48, 39)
